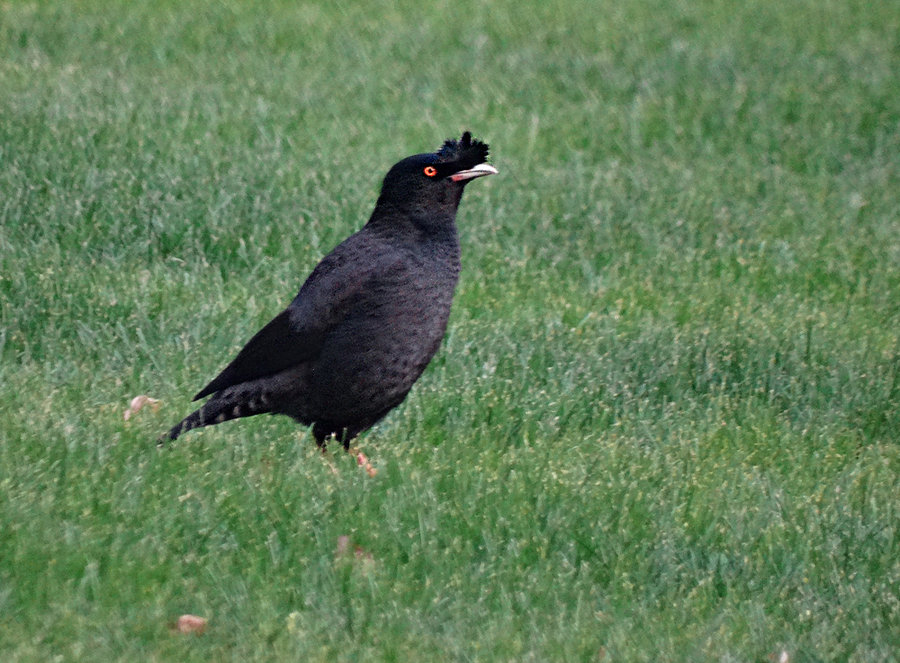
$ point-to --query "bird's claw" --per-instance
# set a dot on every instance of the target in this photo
(363, 462)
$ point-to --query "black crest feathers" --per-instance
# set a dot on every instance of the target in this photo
(465, 152)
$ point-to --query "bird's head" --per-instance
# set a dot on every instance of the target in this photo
(432, 183)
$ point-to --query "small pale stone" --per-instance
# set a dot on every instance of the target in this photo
(191, 624)
(138, 403)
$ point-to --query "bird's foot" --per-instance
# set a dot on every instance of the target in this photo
(327, 458)
(363, 462)
(331, 465)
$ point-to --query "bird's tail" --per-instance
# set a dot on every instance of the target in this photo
(220, 408)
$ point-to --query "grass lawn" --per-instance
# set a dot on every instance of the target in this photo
(665, 422)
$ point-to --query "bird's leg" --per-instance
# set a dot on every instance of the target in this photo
(361, 458)
(323, 448)
(363, 461)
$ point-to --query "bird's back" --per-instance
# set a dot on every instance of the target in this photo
(370, 359)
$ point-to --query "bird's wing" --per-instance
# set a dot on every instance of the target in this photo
(296, 334)
(273, 348)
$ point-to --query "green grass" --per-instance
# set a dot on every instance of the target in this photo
(664, 426)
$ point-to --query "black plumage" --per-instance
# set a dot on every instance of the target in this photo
(368, 319)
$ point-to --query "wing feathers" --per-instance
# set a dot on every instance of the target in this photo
(296, 334)
(274, 348)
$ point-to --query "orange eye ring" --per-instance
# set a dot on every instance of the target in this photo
(430, 171)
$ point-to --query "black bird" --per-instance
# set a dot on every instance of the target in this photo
(369, 318)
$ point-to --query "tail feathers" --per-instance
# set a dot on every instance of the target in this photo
(218, 409)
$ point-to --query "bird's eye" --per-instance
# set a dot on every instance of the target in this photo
(430, 171)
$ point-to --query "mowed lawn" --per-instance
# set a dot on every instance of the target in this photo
(664, 424)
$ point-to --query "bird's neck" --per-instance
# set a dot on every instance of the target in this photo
(420, 224)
